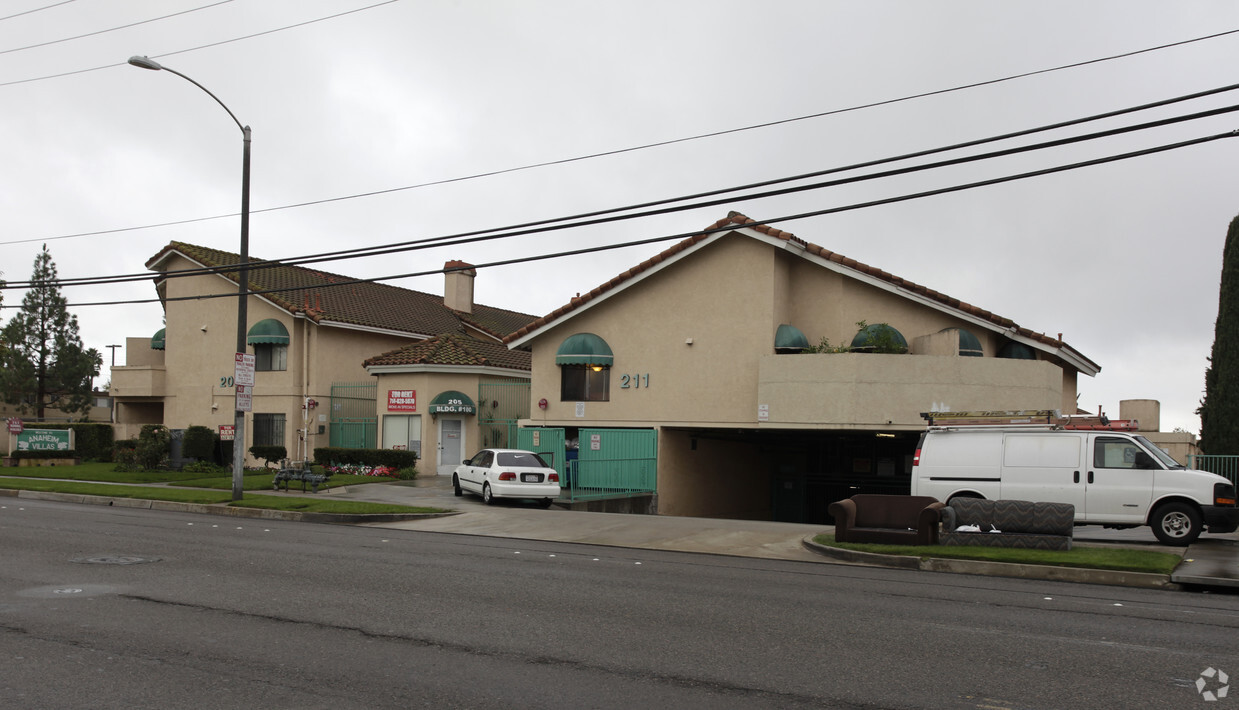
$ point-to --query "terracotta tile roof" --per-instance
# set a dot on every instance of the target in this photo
(735, 219)
(374, 305)
(454, 350)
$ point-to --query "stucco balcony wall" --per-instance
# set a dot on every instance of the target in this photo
(139, 381)
(861, 390)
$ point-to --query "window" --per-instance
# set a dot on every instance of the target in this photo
(1120, 453)
(584, 383)
(268, 430)
(403, 432)
(269, 357)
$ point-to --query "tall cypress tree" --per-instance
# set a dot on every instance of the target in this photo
(44, 363)
(1219, 410)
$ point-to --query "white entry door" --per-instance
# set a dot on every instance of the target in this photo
(451, 445)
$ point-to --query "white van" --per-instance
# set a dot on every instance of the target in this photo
(1113, 478)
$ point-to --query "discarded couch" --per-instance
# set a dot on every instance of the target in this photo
(1008, 523)
(888, 519)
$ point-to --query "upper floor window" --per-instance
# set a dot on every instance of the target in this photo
(584, 361)
(269, 357)
(583, 383)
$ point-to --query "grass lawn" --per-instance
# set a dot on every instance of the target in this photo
(101, 472)
(262, 482)
(1111, 558)
(219, 489)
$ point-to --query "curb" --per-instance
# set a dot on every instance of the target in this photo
(1144, 580)
(222, 509)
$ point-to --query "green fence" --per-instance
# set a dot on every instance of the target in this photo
(613, 463)
(1222, 465)
(500, 406)
(354, 423)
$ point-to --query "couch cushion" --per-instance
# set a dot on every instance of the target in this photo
(1015, 515)
(886, 511)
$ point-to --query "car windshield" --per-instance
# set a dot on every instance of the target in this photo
(1166, 459)
(521, 458)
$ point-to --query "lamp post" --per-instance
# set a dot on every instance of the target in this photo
(238, 443)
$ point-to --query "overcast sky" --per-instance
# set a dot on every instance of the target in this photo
(1123, 259)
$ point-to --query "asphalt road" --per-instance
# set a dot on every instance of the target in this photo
(109, 608)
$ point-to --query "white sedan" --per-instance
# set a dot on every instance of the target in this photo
(507, 473)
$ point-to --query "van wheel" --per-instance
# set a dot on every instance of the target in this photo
(1176, 524)
(456, 486)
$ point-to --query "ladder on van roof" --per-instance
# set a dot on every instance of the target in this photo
(1032, 418)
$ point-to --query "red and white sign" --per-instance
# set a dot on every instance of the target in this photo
(15, 426)
(402, 400)
(244, 371)
(245, 398)
(227, 432)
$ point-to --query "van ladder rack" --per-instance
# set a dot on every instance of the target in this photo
(1033, 418)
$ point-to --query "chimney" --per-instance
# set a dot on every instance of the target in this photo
(458, 285)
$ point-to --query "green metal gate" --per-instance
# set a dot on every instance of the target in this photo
(615, 462)
(547, 442)
(500, 406)
(354, 422)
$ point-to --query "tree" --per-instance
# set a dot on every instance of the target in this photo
(1219, 410)
(43, 361)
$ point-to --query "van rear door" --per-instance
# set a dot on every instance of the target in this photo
(1045, 466)
(1120, 480)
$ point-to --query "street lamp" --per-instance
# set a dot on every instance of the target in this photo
(238, 444)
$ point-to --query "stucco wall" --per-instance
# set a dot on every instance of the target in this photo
(721, 479)
(866, 390)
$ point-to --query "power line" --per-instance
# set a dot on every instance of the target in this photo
(618, 151)
(204, 46)
(113, 29)
(601, 216)
(37, 9)
(685, 235)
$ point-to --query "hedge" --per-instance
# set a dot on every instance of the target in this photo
(198, 443)
(270, 454)
(394, 458)
(91, 440)
(67, 454)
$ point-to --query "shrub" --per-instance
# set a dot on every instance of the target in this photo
(270, 454)
(154, 446)
(199, 443)
(390, 458)
(204, 467)
(125, 452)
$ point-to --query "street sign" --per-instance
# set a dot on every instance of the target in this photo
(227, 432)
(245, 398)
(15, 426)
(244, 374)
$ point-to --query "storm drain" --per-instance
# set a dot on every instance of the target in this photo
(114, 560)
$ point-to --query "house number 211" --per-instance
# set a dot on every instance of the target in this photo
(634, 381)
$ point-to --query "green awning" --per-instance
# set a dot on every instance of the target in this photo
(268, 331)
(452, 402)
(969, 345)
(584, 349)
(157, 339)
(881, 338)
(1017, 351)
(789, 337)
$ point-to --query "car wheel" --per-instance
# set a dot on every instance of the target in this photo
(456, 486)
(487, 497)
(1176, 524)
(546, 502)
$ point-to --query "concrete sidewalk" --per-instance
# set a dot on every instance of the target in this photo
(1212, 561)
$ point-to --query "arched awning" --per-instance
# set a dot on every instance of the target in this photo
(1017, 351)
(157, 340)
(452, 402)
(969, 344)
(268, 331)
(584, 349)
(789, 338)
(879, 337)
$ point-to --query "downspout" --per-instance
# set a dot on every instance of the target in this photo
(305, 392)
